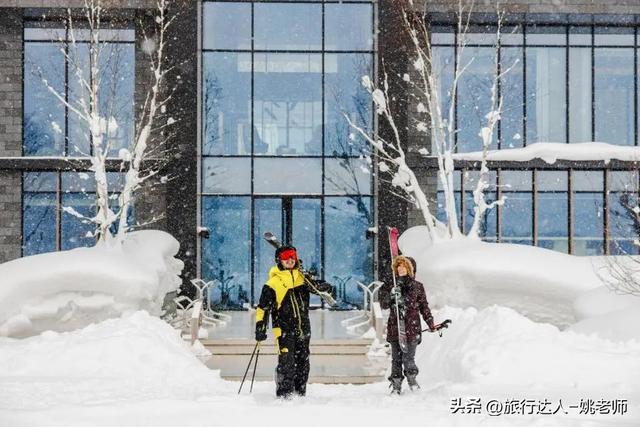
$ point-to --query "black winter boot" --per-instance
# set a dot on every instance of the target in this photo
(413, 384)
(396, 385)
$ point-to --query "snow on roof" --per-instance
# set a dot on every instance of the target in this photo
(70, 289)
(550, 152)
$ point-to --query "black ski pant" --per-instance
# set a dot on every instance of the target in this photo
(292, 372)
(405, 359)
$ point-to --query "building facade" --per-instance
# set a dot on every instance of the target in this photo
(262, 142)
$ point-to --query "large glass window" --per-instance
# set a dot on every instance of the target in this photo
(277, 92)
(488, 223)
(49, 127)
(563, 84)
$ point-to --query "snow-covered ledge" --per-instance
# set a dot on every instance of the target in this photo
(550, 152)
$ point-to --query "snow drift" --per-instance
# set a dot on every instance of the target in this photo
(497, 346)
(136, 357)
(71, 289)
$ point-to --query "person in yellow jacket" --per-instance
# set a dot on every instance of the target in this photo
(285, 296)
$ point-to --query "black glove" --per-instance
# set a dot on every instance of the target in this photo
(261, 330)
(396, 295)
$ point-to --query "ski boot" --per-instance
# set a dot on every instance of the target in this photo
(413, 384)
(396, 385)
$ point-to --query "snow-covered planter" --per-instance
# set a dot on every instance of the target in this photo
(71, 289)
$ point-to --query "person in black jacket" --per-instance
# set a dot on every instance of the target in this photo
(412, 302)
(285, 296)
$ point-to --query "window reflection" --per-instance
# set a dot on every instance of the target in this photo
(39, 213)
(546, 90)
(346, 221)
(225, 254)
(348, 27)
(227, 103)
(345, 95)
(280, 26)
(622, 203)
(614, 96)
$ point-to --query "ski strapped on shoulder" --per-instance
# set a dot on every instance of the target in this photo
(439, 327)
(393, 247)
(273, 241)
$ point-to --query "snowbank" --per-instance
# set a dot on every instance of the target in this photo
(537, 282)
(608, 315)
(552, 151)
(498, 347)
(71, 289)
(136, 357)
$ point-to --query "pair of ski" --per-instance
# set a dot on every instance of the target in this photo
(400, 315)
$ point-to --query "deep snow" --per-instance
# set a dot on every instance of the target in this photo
(67, 290)
(136, 370)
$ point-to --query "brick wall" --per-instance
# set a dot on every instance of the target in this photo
(10, 132)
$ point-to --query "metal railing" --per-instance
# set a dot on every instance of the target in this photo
(371, 315)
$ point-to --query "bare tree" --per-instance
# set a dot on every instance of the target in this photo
(93, 65)
(432, 120)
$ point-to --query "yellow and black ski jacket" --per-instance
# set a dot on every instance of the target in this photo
(285, 296)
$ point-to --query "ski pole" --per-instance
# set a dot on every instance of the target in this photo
(248, 365)
(255, 367)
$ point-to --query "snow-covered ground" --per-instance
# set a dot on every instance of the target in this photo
(536, 338)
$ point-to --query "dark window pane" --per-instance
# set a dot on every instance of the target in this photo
(226, 253)
(306, 231)
(346, 221)
(546, 95)
(348, 175)
(587, 212)
(443, 68)
(488, 225)
(226, 26)
(267, 217)
(288, 104)
(287, 176)
(345, 95)
(226, 175)
(614, 96)
(474, 96)
(512, 119)
(552, 202)
(517, 211)
(38, 222)
(77, 232)
(580, 95)
(288, 26)
(441, 209)
(227, 103)
(623, 203)
(348, 27)
(116, 92)
(44, 123)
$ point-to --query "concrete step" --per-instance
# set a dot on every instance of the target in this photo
(325, 369)
(326, 347)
